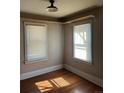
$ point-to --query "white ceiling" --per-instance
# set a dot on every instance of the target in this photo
(65, 7)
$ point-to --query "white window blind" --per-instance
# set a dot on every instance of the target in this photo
(82, 42)
(35, 43)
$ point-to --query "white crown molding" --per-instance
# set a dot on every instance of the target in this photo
(80, 18)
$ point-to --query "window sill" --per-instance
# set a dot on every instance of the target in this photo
(35, 61)
(83, 61)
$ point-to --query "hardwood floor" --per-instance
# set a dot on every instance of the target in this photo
(61, 81)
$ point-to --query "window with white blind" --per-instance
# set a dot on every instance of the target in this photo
(82, 42)
(36, 43)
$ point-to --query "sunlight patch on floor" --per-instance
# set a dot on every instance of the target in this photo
(44, 86)
(60, 82)
(47, 85)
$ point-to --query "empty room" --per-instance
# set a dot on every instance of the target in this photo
(61, 46)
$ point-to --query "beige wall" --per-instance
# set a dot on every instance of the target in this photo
(55, 47)
(96, 69)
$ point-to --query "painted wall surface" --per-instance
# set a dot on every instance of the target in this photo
(55, 48)
(96, 69)
(60, 46)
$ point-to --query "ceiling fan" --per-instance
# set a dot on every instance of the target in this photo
(52, 8)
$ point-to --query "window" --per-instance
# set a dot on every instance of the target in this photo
(35, 42)
(82, 42)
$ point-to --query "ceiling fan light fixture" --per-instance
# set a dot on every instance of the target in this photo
(51, 8)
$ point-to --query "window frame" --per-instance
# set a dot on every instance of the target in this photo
(25, 42)
(81, 22)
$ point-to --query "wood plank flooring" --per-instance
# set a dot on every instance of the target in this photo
(60, 81)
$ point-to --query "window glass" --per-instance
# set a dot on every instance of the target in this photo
(82, 42)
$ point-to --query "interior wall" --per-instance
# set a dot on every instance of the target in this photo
(96, 69)
(55, 47)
